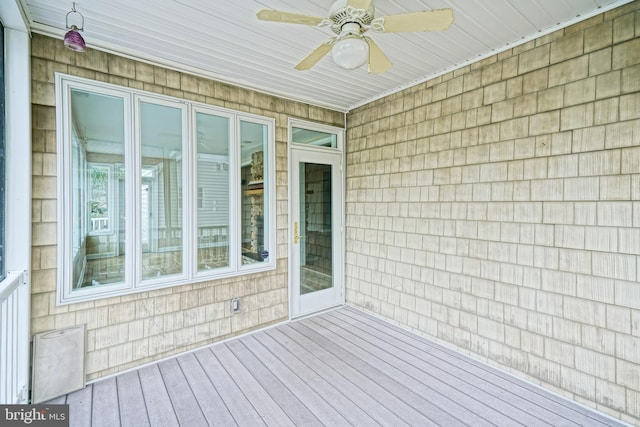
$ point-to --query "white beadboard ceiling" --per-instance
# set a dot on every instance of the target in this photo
(224, 40)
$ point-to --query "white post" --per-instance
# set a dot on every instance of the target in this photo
(18, 170)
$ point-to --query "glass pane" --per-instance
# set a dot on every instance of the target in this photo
(213, 191)
(314, 137)
(254, 138)
(316, 237)
(100, 192)
(98, 203)
(161, 201)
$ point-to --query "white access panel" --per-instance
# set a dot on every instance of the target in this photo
(58, 363)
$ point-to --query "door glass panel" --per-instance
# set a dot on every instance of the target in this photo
(213, 191)
(161, 188)
(98, 203)
(314, 137)
(315, 229)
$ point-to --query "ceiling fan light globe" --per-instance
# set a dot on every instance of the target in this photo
(350, 52)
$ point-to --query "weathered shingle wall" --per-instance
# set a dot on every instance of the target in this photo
(497, 208)
(128, 331)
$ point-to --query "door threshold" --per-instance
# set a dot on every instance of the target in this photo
(314, 313)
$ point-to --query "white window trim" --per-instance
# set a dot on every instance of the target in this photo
(133, 282)
(319, 127)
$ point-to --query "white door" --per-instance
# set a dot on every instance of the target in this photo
(316, 231)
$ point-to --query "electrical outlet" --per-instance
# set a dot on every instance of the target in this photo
(235, 305)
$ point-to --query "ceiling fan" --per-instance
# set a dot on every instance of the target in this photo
(350, 20)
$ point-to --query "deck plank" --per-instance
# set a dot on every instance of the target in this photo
(338, 368)
(212, 405)
(105, 411)
(464, 391)
(288, 401)
(243, 412)
(354, 392)
(268, 409)
(184, 403)
(319, 403)
(477, 379)
(156, 397)
(401, 398)
(349, 366)
(133, 410)
(439, 393)
(505, 386)
(80, 404)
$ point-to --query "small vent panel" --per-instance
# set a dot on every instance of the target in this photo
(58, 363)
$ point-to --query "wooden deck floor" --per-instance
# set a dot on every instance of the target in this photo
(338, 368)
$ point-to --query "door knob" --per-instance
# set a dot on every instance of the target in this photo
(296, 235)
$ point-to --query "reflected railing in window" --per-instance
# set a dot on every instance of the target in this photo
(213, 247)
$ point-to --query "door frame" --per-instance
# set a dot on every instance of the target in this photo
(339, 256)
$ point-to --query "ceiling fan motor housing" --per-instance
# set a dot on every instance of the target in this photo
(341, 13)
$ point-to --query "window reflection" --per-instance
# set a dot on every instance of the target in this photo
(161, 201)
(100, 193)
(97, 172)
(127, 158)
(253, 137)
(213, 191)
(316, 252)
(314, 138)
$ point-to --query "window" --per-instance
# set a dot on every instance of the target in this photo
(254, 137)
(214, 153)
(97, 145)
(158, 191)
(313, 137)
(2, 161)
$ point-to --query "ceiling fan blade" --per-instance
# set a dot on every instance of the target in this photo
(359, 4)
(428, 20)
(378, 61)
(315, 56)
(289, 18)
